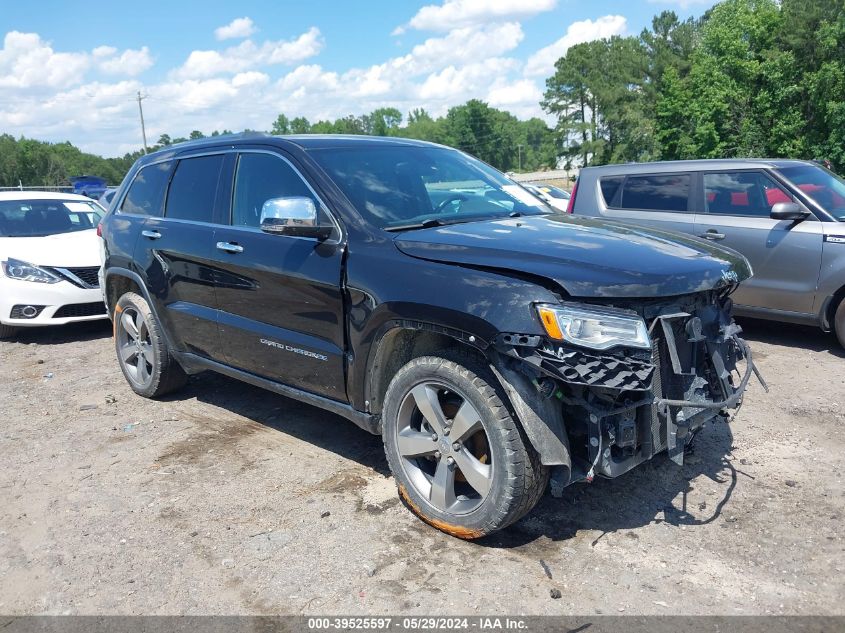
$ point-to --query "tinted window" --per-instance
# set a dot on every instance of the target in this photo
(610, 187)
(656, 193)
(259, 178)
(194, 188)
(146, 194)
(742, 193)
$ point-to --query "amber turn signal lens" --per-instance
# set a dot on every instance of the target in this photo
(549, 319)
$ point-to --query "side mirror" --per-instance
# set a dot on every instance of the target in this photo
(294, 216)
(788, 211)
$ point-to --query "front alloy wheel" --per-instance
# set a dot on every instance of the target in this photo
(460, 459)
(444, 448)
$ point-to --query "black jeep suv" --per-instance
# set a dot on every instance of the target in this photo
(429, 299)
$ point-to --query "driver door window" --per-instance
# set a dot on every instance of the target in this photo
(260, 177)
(748, 194)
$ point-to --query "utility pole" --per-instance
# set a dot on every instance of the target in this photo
(519, 150)
(143, 128)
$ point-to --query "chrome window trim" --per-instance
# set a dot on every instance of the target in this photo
(231, 150)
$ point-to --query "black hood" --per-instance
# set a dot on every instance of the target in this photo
(586, 257)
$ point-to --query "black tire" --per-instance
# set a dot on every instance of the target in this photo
(7, 331)
(517, 479)
(839, 322)
(161, 374)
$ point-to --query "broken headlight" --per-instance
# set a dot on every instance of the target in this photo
(593, 326)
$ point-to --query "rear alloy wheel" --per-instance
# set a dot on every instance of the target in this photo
(839, 322)
(461, 462)
(142, 351)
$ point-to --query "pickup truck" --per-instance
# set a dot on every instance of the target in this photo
(494, 344)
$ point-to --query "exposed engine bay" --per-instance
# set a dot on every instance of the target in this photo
(622, 406)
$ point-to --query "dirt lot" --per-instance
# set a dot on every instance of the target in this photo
(228, 499)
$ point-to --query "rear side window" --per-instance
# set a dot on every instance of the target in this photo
(259, 178)
(610, 187)
(193, 189)
(668, 192)
(146, 193)
(742, 193)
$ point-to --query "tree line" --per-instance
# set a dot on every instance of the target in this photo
(748, 78)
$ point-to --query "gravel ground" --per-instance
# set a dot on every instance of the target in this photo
(228, 499)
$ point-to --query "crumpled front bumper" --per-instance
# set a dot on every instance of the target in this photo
(625, 406)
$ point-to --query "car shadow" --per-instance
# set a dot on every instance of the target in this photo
(59, 334)
(308, 423)
(654, 492)
(645, 495)
(790, 335)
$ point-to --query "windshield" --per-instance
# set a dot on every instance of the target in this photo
(36, 218)
(823, 186)
(400, 187)
(554, 192)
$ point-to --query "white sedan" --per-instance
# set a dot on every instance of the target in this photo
(551, 195)
(49, 260)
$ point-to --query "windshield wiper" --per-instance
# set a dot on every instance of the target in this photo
(425, 224)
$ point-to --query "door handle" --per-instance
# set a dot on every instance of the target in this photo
(230, 247)
(153, 235)
(712, 234)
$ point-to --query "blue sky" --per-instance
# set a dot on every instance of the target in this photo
(69, 70)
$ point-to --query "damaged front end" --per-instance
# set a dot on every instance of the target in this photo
(683, 365)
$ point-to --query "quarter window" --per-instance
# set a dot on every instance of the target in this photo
(261, 177)
(194, 189)
(610, 187)
(146, 193)
(742, 193)
(656, 193)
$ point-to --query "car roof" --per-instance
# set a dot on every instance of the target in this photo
(301, 141)
(670, 166)
(42, 195)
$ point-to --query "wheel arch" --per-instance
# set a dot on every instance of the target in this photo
(540, 418)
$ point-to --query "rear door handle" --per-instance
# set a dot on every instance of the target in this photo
(712, 234)
(230, 247)
(153, 235)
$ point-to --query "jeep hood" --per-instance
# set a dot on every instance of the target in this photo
(586, 257)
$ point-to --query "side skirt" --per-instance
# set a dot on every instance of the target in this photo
(193, 364)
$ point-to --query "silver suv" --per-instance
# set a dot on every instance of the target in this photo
(786, 216)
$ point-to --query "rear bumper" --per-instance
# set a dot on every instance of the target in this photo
(56, 304)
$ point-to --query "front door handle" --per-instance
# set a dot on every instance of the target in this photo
(230, 247)
(712, 234)
(153, 235)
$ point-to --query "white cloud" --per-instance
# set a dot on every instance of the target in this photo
(27, 61)
(130, 62)
(248, 54)
(542, 63)
(237, 28)
(456, 13)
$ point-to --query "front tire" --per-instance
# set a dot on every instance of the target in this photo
(461, 462)
(7, 331)
(839, 322)
(142, 351)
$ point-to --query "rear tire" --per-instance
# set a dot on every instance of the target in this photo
(142, 352)
(460, 459)
(7, 331)
(839, 322)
